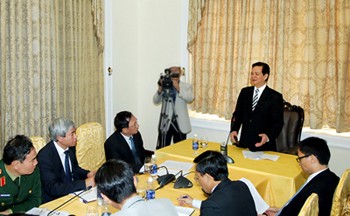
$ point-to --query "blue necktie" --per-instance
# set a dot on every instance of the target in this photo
(134, 152)
(67, 167)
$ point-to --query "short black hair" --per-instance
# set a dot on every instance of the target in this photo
(317, 147)
(115, 179)
(212, 163)
(265, 69)
(121, 120)
(17, 148)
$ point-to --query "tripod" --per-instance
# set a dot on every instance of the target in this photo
(167, 114)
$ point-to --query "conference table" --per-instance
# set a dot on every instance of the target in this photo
(276, 181)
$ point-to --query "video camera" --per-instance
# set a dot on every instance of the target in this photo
(165, 80)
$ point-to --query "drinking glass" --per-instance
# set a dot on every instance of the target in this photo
(91, 211)
(204, 142)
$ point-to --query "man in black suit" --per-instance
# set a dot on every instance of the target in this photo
(259, 110)
(313, 157)
(59, 170)
(126, 142)
(226, 197)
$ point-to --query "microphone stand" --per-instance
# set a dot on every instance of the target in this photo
(228, 158)
(75, 195)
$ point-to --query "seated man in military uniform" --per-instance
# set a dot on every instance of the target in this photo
(20, 187)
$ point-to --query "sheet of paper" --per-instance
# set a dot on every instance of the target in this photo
(184, 211)
(259, 155)
(260, 204)
(45, 212)
(87, 196)
(174, 167)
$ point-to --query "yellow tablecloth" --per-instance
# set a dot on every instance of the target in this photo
(276, 181)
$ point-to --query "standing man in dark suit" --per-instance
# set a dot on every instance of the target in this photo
(20, 187)
(59, 169)
(313, 157)
(227, 198)
(126, 142)
(259, 110)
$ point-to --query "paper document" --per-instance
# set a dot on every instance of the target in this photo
(260, 205)
(87, 196)
(45, 212)
(184, 211)
(174, 167)
(259, 155)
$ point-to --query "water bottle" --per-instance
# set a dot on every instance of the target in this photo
(223, 148)
(195, 144)
(154, 166)
(150, 191)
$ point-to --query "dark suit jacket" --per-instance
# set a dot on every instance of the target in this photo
(116, 147)
(52, 173)
(324, 185)
(266, 118)
(229, 198)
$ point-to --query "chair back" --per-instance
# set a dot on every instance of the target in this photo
(341, 197)
(38, 142)
(90, 146)
(310, 207)
(293, 121)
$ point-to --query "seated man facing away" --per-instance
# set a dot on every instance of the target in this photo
(59, 170)
(226, 197)
(20, 188)
(116, 182)
(313, 157)
(126, 142)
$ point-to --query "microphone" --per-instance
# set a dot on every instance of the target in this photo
(75, 195)
(223, 150)
(182, 182)
(165, 179)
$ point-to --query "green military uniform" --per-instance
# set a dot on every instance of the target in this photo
(19, 198)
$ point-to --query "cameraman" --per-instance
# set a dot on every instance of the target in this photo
(174, 120)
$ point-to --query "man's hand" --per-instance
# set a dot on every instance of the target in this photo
(176, 85)
(6, 212)
(264, 139)
(185, 200)
(90, 181)
(233, 136)
(91, 174)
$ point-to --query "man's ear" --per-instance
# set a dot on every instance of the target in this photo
(15, 163)
(135, 181)
(266, 76)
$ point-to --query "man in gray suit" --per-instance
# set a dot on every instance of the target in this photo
(116, 181)
(174, 120)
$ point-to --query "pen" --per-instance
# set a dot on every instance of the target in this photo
(82, 199)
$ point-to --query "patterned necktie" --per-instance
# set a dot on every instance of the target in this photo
(67, 167)
(255, 99)
(134, 152)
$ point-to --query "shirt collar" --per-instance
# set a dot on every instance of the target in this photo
(131, 201)
(59, 149)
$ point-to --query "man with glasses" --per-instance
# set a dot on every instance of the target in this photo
(126, 142)
(313, 157)
(226, 197)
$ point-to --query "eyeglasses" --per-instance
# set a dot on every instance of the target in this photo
(299, 158)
